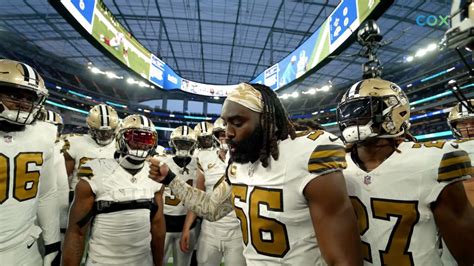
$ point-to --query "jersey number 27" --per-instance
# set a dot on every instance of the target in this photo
(407, 215)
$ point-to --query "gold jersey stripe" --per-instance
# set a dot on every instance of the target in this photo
(85, 172)
(462, 165)
(66, 146)
(322, 167)
(328, 153)
(454, 160)
(448, 176)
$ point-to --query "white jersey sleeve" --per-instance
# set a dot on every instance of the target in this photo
(454, 165)
(48, 210)
(63, 185)
(325, 155)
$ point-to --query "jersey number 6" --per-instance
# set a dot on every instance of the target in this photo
(268, 236)
(25, 181)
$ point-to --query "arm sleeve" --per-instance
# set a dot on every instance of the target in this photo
(86, 173)
(454, 166)
(327, 155)
(48, 211)
(211, 206)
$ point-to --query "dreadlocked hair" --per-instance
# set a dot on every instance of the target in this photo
(275, 123)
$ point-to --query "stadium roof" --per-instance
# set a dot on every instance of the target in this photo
(224, 42)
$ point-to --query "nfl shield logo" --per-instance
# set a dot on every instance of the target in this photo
(8, 139)
(367, 180)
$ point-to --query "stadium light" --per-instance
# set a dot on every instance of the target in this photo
(431, 47)
(284, 96)
(420, 53)
(110, 75)
(95, 70)
(409, 58)
(216, 98)
(325, 88)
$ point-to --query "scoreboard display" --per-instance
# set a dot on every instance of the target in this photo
(98, 25)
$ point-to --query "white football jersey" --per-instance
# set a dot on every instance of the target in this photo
(120, 237)
(173, 206)
(27, 170)
(392, 202)
(213, 168)
(83, 148)
(269, 202)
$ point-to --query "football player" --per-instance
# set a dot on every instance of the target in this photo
(62, 178)
(403, 192)
(221, 238)
(28, 191)
(120, 200)
(461, 122)
(183, 141)
(287, 191)
(204, 135)
(98, 143)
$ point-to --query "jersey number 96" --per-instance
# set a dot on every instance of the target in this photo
(25, 181)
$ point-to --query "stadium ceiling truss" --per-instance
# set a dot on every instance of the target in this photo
(225, 42)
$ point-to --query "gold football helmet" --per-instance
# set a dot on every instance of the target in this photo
(373, 108)
(461, 120)
(204, 134)
(219, 134)
(103, 122)
(22, 92)
(136, 137)
(183, 141)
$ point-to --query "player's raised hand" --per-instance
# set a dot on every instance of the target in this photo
(158, 169)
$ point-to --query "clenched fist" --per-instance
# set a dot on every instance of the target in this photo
(160, 172)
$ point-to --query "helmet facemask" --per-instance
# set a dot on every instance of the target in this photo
(205, 142)
(103, 136)
(363, 118)
(461, 120)
(137, 143)
(183, 147)
(20, 106)
(463, 128)
(222, 144)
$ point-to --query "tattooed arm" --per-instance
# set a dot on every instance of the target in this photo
(211, 206)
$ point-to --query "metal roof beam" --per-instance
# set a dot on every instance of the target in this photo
(233, 40)
(268, 36)
(203, 70)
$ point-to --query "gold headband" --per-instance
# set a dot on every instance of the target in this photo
(247, 96)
